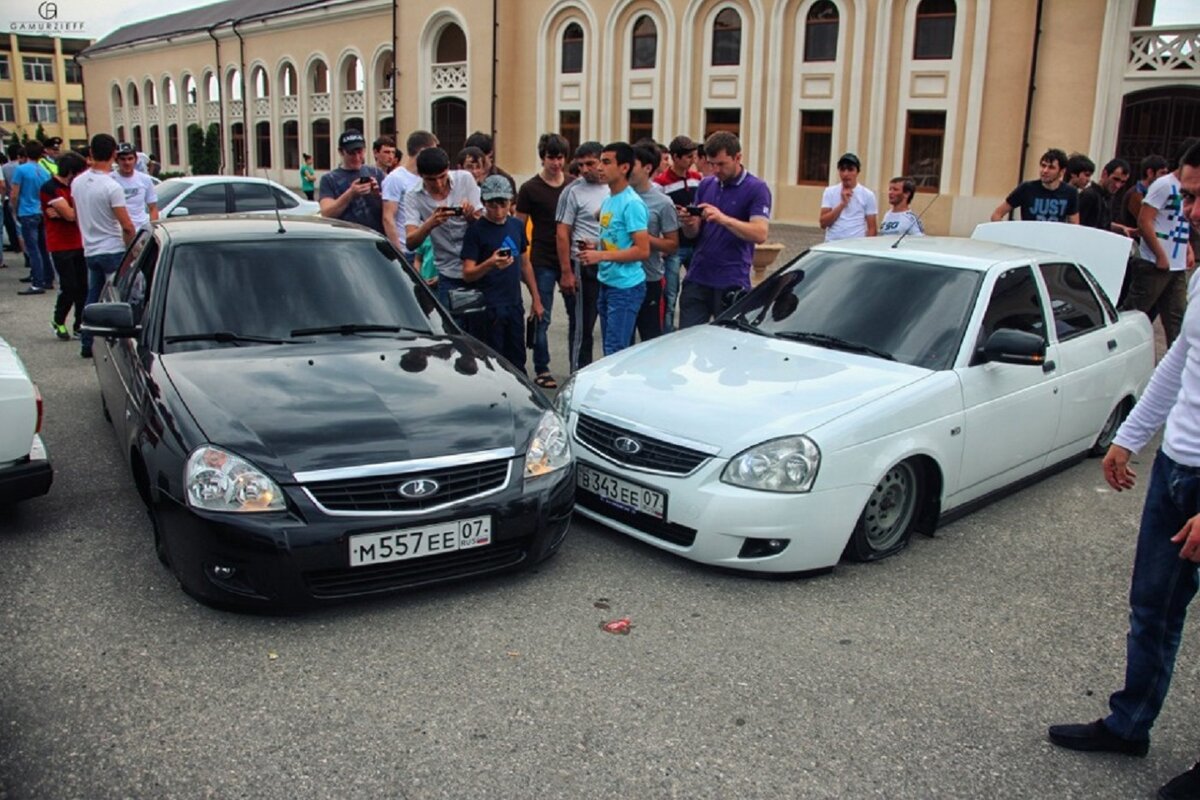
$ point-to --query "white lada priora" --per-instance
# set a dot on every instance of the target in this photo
(869, 389)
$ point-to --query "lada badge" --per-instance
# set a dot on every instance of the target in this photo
(416, 489)
(629, 447)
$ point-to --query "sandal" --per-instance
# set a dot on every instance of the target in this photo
(546, 381)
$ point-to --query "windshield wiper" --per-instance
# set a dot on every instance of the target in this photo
(737, 323)
(351, 329)
(227, 337)
(835, 342)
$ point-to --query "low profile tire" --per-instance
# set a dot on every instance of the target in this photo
(1109, 431)
(160, 546)
(888, 518)
(104, 408)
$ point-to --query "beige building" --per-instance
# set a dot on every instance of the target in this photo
(963, 95)
(41, 83)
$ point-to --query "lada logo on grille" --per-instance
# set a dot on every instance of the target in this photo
(629, 447)
(416, 489)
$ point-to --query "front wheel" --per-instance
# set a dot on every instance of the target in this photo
(887, 520)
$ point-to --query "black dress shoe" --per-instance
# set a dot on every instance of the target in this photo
(27, 279)
(1096, 737)
(1182, 787)
(32, 290)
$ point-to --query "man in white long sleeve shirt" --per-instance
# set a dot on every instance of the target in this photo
(1165, 576)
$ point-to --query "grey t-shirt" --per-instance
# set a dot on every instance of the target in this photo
(660, 218)
(579, 207)
(365, 210)
(447, 237)
(8, 169)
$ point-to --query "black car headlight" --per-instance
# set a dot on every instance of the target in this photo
(781, 465)
(549, 450)
(216, 480)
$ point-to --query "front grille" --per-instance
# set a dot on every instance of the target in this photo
(350, 581)
(381, 494)
(654, 454)
(660, 529)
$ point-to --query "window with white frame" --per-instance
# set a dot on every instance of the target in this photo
(38, 69)
(821, 32)
(76, 112)
(8, 110)
(5, 68)
(43, 111)
(727, 39)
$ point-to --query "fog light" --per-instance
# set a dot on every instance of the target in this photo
(222, 572)
(761, 548)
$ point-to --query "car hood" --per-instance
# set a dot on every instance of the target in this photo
(353, 402)
(730, 389)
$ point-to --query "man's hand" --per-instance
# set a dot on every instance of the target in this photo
(538, 310)
(1116, 469)
(847, 194)
(590, 256)
(566, 283)
(1189, 535)
(1161, 261)
(360, 188)
(497, 261)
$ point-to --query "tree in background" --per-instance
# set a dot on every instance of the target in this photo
(204, 149)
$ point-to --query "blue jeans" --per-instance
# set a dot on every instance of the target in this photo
(671, 266)
(547, 280)
(618, 311)
(99, 267)
(41, 273)
(1162, 586)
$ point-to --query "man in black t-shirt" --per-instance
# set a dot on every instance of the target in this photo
(1046, 199)
(1095, 201)
(351, 192)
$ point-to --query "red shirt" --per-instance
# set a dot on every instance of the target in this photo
(60, 234)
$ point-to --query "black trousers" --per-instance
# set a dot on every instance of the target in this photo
(700, 304)
(650, 317)
(72, 271)
(10, 227)
(581, 315)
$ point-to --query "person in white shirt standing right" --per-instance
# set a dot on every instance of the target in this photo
(103, 221)
(848, 209)
(141, 199)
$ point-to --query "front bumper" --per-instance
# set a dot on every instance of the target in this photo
(301, 557)
(30, 477)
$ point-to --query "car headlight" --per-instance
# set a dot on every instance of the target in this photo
(562, 400)
(549, 450)
(217, 480)
(781, 465)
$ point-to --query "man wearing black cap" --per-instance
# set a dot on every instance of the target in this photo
(848, 209)
(351, 192)
(679, 181)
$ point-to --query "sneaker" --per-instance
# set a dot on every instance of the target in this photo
(32, 290)
(85, 352)
(1182, 787)
(1096, 737)
(60, 331)
(27, 279)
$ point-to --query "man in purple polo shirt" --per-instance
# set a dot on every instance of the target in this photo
(734, 212)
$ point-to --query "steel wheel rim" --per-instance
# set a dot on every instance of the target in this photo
(891, 507)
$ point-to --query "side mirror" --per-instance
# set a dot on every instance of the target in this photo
(1009, 346)
(466, 301)
(110, 320)
(178, 211)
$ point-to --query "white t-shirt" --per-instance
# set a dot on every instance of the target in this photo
(139, 194)
(852, 223)
(96, 194)
(398, 183)
(1170, 225)
(895, 223)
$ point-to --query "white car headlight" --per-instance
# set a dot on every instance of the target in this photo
(781, 465)
(549, 450)
(216, 480)
(562, 400)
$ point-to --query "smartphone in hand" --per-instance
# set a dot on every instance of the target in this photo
(694, 211)
(504, 252)
(364, 179)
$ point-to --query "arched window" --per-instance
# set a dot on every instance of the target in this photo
(644, 47)
(189, 89)
(149, 93)
(212, 87)
(572, 49)
(172, 144)
(385, 71)
(291, 144)
(237, 142)
(450, 123)
(154, 148)
(727, 39)
(132, 93)
(170, 96)
(235, 85)
(353, 79)
(137, 138)
(821, 32)
(318, 76)
(451, 46)
(262, 145)
(321, 143)
(287, 81)
(262, 85)
(116, 97)
(934, 34)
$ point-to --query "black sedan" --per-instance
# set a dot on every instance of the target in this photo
(305, 423)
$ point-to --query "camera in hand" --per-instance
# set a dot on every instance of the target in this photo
(694, 211)
(454, 210)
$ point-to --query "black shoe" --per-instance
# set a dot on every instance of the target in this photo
(1182, 787)
(85, 352)
(1096, 737)
(27, 279)
(32, 290)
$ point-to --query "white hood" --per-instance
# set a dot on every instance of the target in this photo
(1105, 254)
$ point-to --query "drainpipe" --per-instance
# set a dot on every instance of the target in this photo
(1037, 37)
(495, 63)
(83, 88)
(396, 73)
(220, 103)
(245, 103)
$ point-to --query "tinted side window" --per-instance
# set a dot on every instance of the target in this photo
(206, 200)
(252, 197)
(285, 200)
(133, 285)
(131, 255)
(1076, 309)
(1015, 304)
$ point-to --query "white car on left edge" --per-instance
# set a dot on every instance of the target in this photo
(230, 194)
(24, 466)
(869, 389)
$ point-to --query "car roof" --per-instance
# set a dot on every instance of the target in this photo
(245, 227)
(948, 251)
(201, 179)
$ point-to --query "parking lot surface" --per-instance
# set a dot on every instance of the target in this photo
(929, 675)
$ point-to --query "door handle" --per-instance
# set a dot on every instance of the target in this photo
(1112, 344)
(1048, 366)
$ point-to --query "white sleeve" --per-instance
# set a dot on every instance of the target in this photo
(411, 215)
(1155, 405)
(870, 205)
(151, 192)
(831, 196)
(393, 188)
(1158, 193)
(116, 195)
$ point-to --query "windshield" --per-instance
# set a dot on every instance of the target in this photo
(912, 312)
(267, 289)
(169, 190)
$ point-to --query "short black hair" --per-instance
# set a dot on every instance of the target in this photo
(1078, 163)
(1184, 146)
(646, 156)
(15, 151)
(482, 141)
(104, 146)
(1191, 156)
(34, 149)
(722, 141)
(1056, 155)
(465, 153)
(418, 141)
(384, 141)
(70, 164)
(910, 186)
(552, 145)
(1151, 163)
(432, 161)
(1116, 164)
(589, 149)
(623, 153)
(307, 156)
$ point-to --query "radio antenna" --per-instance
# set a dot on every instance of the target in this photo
(274, 202)
(915, 222)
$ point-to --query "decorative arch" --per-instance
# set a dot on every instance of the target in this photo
(260, 81)
(438, 80)
(131, 93)
(190, 92)
(317, 79)
(555, 92)
(149, 93)
(383, 65)
(233, 84)
(640, 89)
(287, 79)
(351, 75)
(169, 94)
(211, 87)
(116, 96)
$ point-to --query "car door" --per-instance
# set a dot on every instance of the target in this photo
(132, 286)
(206, 198)
(106, 350)
(1088, 351)
(1010, 411)
(251, 196)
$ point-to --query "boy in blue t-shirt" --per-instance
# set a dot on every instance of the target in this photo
(491, 247)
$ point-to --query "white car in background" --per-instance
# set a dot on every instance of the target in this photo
(869, 389)
(25, 470)
(230, 194)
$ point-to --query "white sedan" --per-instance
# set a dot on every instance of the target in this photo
(229, 194)
(867, 390)
(25, 470)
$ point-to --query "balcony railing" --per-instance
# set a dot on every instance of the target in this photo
(1164, 51)
(449, 78)
(352, 103)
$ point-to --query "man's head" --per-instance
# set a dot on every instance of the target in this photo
(473, 161)
(418, 141)
(553, 150)
(900, 192)
(645, 166)
(384, 150)
(486, 144)
(683, 154)
(1051, 166)
(848, 167)
(724, 153)
(352, 146)
(1189, 184)
(53, 146)
(616, 162)
(69, 165)
(104, 146)
(1114, 175)
(34, 149)
(15, 151)
(433, 165)
(496, 195)
(1180, 151)
(588, 156)
(1152, 168)
(126, 159)
(1079, 170)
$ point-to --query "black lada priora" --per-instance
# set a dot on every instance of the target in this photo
(305, 423)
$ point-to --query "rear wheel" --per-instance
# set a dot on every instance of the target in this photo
(887, 520)
(104, 408)
(1109, 432)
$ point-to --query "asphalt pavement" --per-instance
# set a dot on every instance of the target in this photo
(929, 675)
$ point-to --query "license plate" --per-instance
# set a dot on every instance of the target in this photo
(428, 540)
(622, 493)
